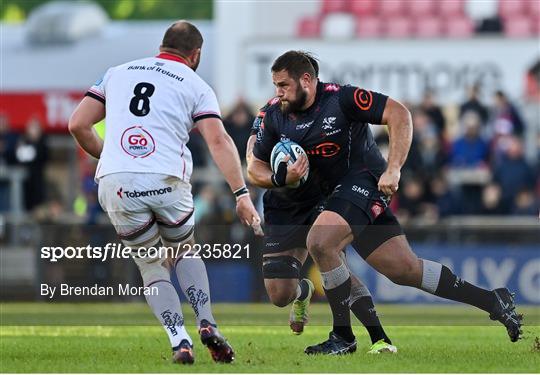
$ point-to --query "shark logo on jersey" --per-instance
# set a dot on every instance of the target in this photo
(328, 123)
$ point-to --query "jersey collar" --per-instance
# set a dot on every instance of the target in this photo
(170, 56)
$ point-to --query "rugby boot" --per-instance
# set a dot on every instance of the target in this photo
(217, 345)
(335, 345)
(299, 311)
(382, 346)
(505, 312)
(184, 354)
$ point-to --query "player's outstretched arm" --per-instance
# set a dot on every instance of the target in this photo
(400, 129)
(226, 157)
(81, 125)
(223, 151)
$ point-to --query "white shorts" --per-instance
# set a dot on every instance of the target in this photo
(146, 206)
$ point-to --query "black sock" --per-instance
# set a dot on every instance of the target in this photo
(365, 312)
(338, 298)
(452, 287)
(304, 290)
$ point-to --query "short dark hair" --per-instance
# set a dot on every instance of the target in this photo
(297, 63)
(313, 62)
(183, 37)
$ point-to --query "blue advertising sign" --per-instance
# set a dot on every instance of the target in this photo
(488, 266)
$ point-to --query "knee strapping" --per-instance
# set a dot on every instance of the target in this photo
(281, 267)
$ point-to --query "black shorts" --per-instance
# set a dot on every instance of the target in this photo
(357, 199)
(287, 228)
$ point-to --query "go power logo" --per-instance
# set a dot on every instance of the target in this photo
(145, 193)
(137, 142)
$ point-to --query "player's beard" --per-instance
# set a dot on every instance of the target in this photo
(297, 104)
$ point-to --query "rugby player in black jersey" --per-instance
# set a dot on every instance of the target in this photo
(289, 214)
(358, 182)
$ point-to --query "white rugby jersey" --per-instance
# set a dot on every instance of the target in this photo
(151, 105)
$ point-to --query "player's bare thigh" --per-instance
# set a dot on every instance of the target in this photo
(328, 236)
(395, 259)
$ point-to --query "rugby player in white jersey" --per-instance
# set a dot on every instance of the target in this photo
(150, 105)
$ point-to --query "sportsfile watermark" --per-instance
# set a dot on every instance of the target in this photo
(118, 251)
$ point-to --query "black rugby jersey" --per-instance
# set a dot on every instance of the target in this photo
(334, 132)
(307, 194)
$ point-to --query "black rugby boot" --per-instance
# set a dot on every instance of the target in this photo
(505, 312)
(335, 345)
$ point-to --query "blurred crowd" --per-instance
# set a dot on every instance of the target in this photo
(28, 153)
(472, 165)
(477, 168)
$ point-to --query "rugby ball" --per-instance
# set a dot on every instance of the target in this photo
(280, 151)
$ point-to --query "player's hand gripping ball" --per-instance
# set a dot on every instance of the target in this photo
(290, 152)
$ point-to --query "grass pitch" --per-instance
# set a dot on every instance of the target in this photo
(125, 338)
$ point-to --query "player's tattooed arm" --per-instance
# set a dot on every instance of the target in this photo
(249, 148)
(398, 119)
(258, 150)
(81, 125)
(255, 129)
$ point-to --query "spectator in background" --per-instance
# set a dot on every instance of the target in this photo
(531, 114)
(204, 203)
(8, 141)
(532, 80)
(433, 154)
(412, 198)
(90, 191)
(506, 119)
(525, 203)
(513, 173)
(433, 111)
(446, 200)
(238, 125)
(473, 104)
(199, 151)
(32, 152)
(426, 155)
(470, 150)
(491, 201)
